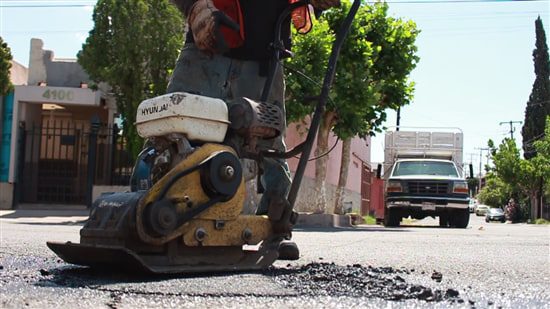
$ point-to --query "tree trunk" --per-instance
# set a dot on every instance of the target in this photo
(321, 163)
(533, 206)
(535, 199)
(539, 199)
(342, 179)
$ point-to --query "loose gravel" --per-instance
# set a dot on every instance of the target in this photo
(323, 279)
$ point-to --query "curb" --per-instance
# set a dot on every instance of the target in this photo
(307, 220)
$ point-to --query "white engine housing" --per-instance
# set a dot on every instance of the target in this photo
(198, 117)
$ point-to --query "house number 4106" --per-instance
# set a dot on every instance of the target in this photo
(61, 95)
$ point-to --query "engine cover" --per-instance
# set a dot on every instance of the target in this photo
(199, 118)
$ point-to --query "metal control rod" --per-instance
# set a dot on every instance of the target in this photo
(320, 108)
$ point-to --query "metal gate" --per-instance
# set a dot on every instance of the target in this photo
(60, 160)
(53, 161)
(365, 190)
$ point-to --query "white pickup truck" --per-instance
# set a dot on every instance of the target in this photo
(424, 178)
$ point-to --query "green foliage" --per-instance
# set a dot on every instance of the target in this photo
(369, 220)
(542, 221)
(133, 47)
(473, 184)
(523, 176)
(5, 65)
(538, 106)
(515, 177)
(507, 161)
(372, 72)
(542, 160)
(496, 192)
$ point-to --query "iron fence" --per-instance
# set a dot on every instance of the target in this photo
(60, 161)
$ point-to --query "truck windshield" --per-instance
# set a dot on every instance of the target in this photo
(407, 168)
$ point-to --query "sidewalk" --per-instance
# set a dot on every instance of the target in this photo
(80, 214)
(44, 216)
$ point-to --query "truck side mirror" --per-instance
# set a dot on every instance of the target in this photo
(379, 171)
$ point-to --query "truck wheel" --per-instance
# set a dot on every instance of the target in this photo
(390, 218)
(461, 218)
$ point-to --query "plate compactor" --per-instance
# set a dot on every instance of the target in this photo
(184, 211)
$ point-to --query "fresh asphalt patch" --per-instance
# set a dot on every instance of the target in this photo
(311, 280)
(329, 279)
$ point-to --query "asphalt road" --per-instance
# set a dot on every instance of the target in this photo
(486, 265)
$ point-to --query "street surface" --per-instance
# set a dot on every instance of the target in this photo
(487, 265)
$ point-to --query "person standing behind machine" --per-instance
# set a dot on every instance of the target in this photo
(227, 55)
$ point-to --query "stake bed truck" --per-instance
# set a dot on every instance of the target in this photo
(423, 175)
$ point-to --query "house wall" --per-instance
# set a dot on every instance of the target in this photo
(18, 76)
(50, 81)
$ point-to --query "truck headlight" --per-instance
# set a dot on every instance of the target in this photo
(394, 186)
(460, 187)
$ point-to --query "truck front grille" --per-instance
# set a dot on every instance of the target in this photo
(428, 187)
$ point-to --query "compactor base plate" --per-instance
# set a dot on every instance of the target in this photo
(171, 261)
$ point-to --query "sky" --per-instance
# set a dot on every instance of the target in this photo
(475, 71)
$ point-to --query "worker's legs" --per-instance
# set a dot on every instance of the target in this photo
(246, 81)
(276, 174)
(226, 78)
(198, 73)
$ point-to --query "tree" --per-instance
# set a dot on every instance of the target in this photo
(495, 192)
(541, 171)
(538, 106)
(517, 177)
(133, 47)
(5, 66)
(372, 75)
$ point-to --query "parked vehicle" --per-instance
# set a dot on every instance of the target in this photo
(425, 177)
(472, 205)
(495, 214)
(481, 210)
(511, 212)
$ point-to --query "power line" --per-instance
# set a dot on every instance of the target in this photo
(538, 103)
(47, 6)
(458, 1)
(59, 4)
(532, 141)
(481, 150)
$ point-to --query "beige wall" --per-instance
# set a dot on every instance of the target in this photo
(18, 74)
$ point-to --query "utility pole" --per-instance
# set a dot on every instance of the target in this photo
(512, 129)
(481, 161)
(472, 154)
(398, 122)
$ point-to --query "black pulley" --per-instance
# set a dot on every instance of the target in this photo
(222, 175)
(161, 217)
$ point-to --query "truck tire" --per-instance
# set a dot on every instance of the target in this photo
(443, 220)
(391, 219)
(461, 218)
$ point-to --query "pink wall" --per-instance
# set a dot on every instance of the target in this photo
(360, 153)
